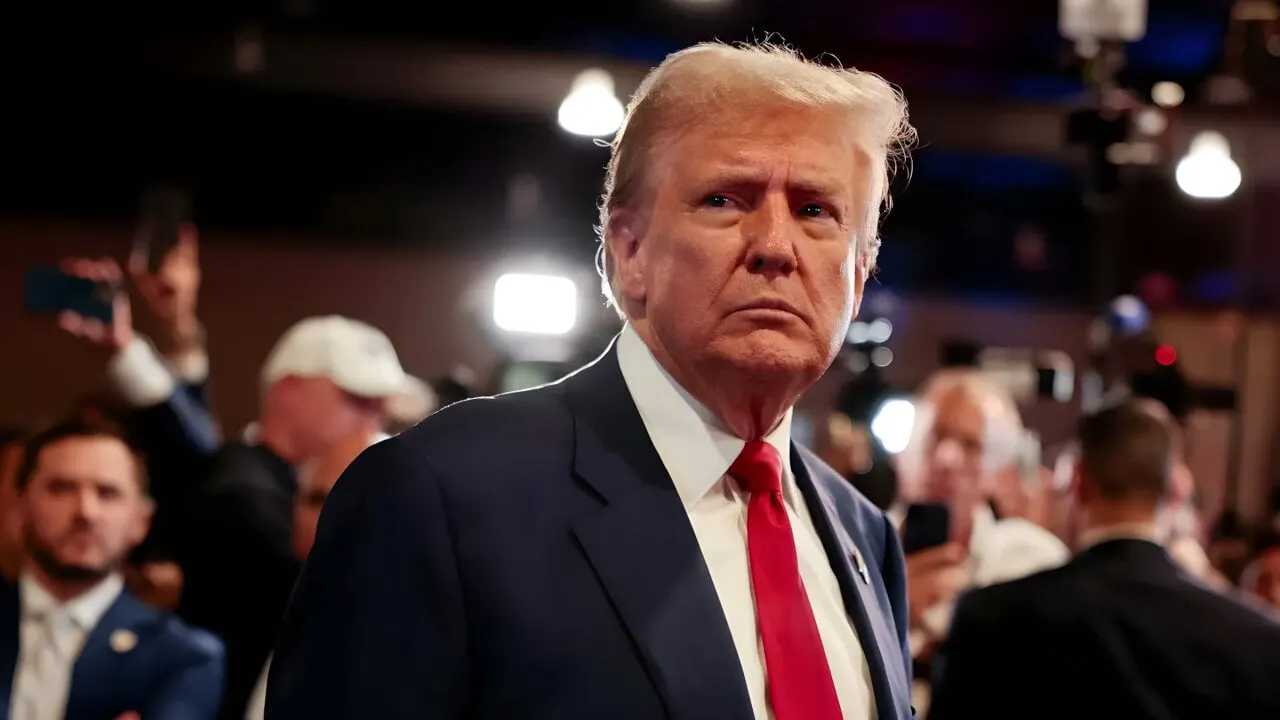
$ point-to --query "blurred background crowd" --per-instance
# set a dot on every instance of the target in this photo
(261, 237)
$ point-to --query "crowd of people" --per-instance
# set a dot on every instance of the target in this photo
(642, 540)
(136, 500)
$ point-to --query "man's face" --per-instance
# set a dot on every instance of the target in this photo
(743, 254)
(954, 450)
(320, 412)
(83, 508)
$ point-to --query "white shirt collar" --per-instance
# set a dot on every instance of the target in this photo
(85, 610)
(1123, 531)
(695, 446)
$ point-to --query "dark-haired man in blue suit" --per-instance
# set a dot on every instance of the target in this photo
(74, 643)
(643, 540)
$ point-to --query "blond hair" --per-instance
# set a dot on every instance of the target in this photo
(693, 83)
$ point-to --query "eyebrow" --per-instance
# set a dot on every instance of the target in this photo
(745, 176)
(95, 481)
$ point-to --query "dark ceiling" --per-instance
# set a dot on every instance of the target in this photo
(99, 105)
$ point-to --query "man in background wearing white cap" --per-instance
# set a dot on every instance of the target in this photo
(328, 379)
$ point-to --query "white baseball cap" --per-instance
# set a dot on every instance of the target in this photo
(355, 356)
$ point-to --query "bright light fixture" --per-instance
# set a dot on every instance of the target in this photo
(1168, 94)
(1208, 172)
(591, 109)
(535, 304)
(893, 423)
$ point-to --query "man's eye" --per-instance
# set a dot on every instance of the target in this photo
(812, 210)
(717, 201)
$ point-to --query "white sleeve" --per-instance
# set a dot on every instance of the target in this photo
(191, 367)
(1017, 548)
(139, 374)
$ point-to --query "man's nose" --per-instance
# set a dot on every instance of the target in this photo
(948, 454)
(87, 504)
(770, 231)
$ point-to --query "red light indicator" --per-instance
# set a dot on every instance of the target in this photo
(1166, 355)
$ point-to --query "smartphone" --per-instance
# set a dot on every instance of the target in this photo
(164, 211)
(927, 526)
(51, 291)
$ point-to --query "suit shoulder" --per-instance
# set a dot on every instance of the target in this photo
(475, 446)
(1000, 600)
(197, 643)
(498, 418)
(176, 636)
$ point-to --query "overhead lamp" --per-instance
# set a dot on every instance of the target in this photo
(535, 304)
(1207, 172)
(591, 108)
(892, 424)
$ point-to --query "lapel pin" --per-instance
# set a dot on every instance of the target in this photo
(861, 566)
(122, 641)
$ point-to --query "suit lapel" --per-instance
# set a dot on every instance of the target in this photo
(646, 556)
(878, 638)
(11, 617)
(100, 684)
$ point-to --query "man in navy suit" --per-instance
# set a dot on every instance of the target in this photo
(75, 644)
(642, 540)
(1120, 631)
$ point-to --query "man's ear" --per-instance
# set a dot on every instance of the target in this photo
(1080, 487)
(141, 525)
(861, 264)
(626, 255)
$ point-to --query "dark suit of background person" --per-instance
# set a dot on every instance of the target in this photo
(135, 659)
(1120, 631)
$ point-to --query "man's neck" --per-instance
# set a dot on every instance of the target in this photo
(1107, 521)
(749, 405)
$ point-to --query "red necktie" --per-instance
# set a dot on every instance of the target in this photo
(797, 676)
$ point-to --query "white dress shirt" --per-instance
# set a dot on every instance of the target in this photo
(50, 639)
(1000, 550)
(697, 451)
(257, 709)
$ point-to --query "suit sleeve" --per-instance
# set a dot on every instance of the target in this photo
(894, 571)
(965, 679)
(194, 691)
(376, 628)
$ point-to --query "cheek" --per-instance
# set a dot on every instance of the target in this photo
(689, 268)
(834, 280)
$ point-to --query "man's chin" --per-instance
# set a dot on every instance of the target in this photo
(768, 351)
(70, 570)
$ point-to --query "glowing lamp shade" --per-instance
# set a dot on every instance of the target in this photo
(893, 423)
(591, 109)
(535, 304)
(1208, 172)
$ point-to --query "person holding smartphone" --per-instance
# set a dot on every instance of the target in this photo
(967, 435)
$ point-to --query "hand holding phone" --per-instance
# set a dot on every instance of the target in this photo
(927, 526)
(89, 298)
(935, 565)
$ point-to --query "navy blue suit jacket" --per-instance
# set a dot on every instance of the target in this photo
(172, 672)
(527, 556)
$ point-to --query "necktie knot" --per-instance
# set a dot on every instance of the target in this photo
(758, 468)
